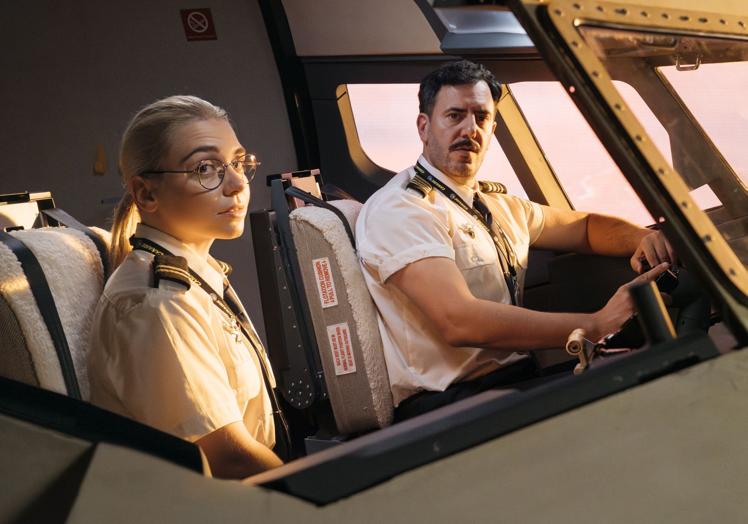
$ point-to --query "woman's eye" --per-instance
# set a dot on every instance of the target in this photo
(238, 165)
(205, 168)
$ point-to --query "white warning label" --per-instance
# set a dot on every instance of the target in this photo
(342, 350)
(325, 284)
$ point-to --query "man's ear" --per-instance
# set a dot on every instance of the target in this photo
(143, 191)
(422, 123)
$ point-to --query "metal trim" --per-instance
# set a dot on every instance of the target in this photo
(568, 16)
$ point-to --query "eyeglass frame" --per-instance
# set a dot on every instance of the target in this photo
(224, 167)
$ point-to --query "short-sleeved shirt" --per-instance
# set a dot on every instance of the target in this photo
(167, 356)
(398, 226)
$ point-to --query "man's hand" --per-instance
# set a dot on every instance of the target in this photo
(620, 307)
(654, 249)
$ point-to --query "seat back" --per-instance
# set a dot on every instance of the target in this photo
(320, 322)
(74, 272)
(343, 316)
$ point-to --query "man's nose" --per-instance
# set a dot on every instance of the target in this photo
(470, 126)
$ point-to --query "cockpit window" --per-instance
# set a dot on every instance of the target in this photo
(696, 87)
(385, 120)
(717, 96)
(590, 178)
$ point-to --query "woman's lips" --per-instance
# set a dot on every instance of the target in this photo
(234, 211)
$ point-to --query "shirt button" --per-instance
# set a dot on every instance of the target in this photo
(475, 258)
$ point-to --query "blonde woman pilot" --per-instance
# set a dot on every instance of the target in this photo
(172, 345)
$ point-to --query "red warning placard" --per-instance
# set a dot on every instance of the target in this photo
(342, 349)
(198, 24)
(325, 283)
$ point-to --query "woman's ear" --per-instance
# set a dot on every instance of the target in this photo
(144, 194)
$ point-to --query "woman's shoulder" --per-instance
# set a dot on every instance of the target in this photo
(132, 285)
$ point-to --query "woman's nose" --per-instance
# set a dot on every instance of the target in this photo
(234, 182)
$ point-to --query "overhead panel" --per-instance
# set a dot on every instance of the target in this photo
(346, 28)
(475, 27)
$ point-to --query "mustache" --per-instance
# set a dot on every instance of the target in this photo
(465, 143)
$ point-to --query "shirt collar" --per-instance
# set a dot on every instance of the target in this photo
(209, 269)
(465, 192)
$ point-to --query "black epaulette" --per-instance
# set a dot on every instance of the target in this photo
(225, 267)
(170, 267)
(420, 185)
(491, 187)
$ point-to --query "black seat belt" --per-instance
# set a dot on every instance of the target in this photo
(47, 307)
(313, 200)
(64, 218)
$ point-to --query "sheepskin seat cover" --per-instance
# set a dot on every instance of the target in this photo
(73, 269)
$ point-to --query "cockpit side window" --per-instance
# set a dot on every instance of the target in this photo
(589, 176)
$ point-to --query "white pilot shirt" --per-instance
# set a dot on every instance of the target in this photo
(398, 226)
(166, 356)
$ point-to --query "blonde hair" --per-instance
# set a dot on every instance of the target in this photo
(145, 142)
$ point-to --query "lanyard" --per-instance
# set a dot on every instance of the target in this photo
(507, 256)
(231, 309)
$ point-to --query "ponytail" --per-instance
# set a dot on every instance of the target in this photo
(126, 218)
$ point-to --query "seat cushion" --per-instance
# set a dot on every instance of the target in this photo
(15, 359)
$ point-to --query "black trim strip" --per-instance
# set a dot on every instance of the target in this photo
(293, 81)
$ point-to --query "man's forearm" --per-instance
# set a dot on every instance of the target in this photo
(611, 236)
(501, 326)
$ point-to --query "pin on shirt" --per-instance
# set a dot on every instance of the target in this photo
(468, 229)
(230, 324)
(232, 328)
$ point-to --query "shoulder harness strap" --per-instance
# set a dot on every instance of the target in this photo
(170, 267)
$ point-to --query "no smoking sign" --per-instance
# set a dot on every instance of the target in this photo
(198, 24)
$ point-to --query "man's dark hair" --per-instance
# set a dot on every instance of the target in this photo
(462, 72)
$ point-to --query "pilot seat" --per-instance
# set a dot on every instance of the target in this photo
(321, 323)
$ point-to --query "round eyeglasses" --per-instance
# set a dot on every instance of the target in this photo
(211, 172)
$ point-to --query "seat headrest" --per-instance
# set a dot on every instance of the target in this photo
(350, 208)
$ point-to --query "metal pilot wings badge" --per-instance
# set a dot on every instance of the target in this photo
(468, 229)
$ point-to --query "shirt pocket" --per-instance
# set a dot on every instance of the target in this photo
(474, 252)
(243, 370)
(248, 381)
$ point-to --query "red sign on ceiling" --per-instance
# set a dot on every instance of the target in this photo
(198, 24)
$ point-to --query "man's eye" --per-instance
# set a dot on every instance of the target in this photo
(453, 116)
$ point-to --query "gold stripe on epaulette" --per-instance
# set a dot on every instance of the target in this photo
(487, 186)
(175, 274)
(419, 184)
(225, 267)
